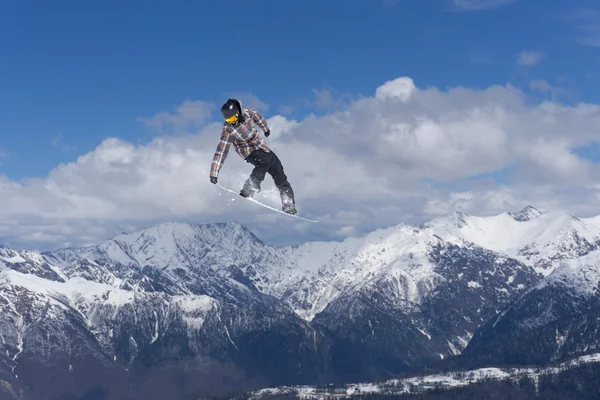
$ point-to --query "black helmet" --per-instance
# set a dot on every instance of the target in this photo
(231, 111)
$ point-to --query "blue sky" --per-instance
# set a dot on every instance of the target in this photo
(73, 73)
(382, 111)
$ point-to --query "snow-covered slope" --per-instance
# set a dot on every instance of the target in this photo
(314, 274)
(557, 318)
(576, 283)
(317, 273)
(581, 276)
(29, 262)
(399, 257)
(593, 221)
(540, 240)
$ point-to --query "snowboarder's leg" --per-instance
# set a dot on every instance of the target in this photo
(285, 189)
(261, 161)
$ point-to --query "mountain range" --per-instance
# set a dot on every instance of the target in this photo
(176, 310)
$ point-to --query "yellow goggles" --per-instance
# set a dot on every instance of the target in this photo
(232, 120)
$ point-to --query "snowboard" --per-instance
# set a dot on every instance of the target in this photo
(264, 205)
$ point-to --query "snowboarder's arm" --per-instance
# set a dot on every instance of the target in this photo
(260, 121)
(220, 153)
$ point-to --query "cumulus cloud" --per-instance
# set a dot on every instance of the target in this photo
(403, 154)
(400, 88)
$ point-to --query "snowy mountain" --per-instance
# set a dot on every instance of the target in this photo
(539, 240)
(213, 304)
(175, 258)
(594, 221)
(141, 303)
(402, 295)
(79, 337)
(29, 262)
(555, 319)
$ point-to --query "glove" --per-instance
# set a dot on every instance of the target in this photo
(268, 132)
(213, 179)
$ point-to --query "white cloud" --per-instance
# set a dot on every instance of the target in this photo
(530, 58)
(280, 126)
(400, 88)
(499, 198)
(479, 5)
(551, 161)
(189, 115)
(366, 166)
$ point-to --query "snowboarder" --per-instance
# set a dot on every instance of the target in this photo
(239, 129)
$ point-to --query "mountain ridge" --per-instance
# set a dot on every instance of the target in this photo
(306, 273)
(406, 295)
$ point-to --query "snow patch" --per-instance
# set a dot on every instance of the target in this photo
(16, 259)
(226, 331)
(424, 333)
(155, 334)
(580, 275)
(195, 309)
(75, 288)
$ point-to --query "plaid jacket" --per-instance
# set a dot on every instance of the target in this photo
(244, 137)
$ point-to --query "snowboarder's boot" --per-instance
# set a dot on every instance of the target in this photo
(247, 192)
(251, 187)
(288, 202)
(289, 208)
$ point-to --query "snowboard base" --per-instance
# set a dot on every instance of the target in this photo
(264, 205)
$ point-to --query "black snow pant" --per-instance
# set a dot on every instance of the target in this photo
(268, 162)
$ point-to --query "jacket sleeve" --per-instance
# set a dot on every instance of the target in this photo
(258, 118)
(220, 153)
